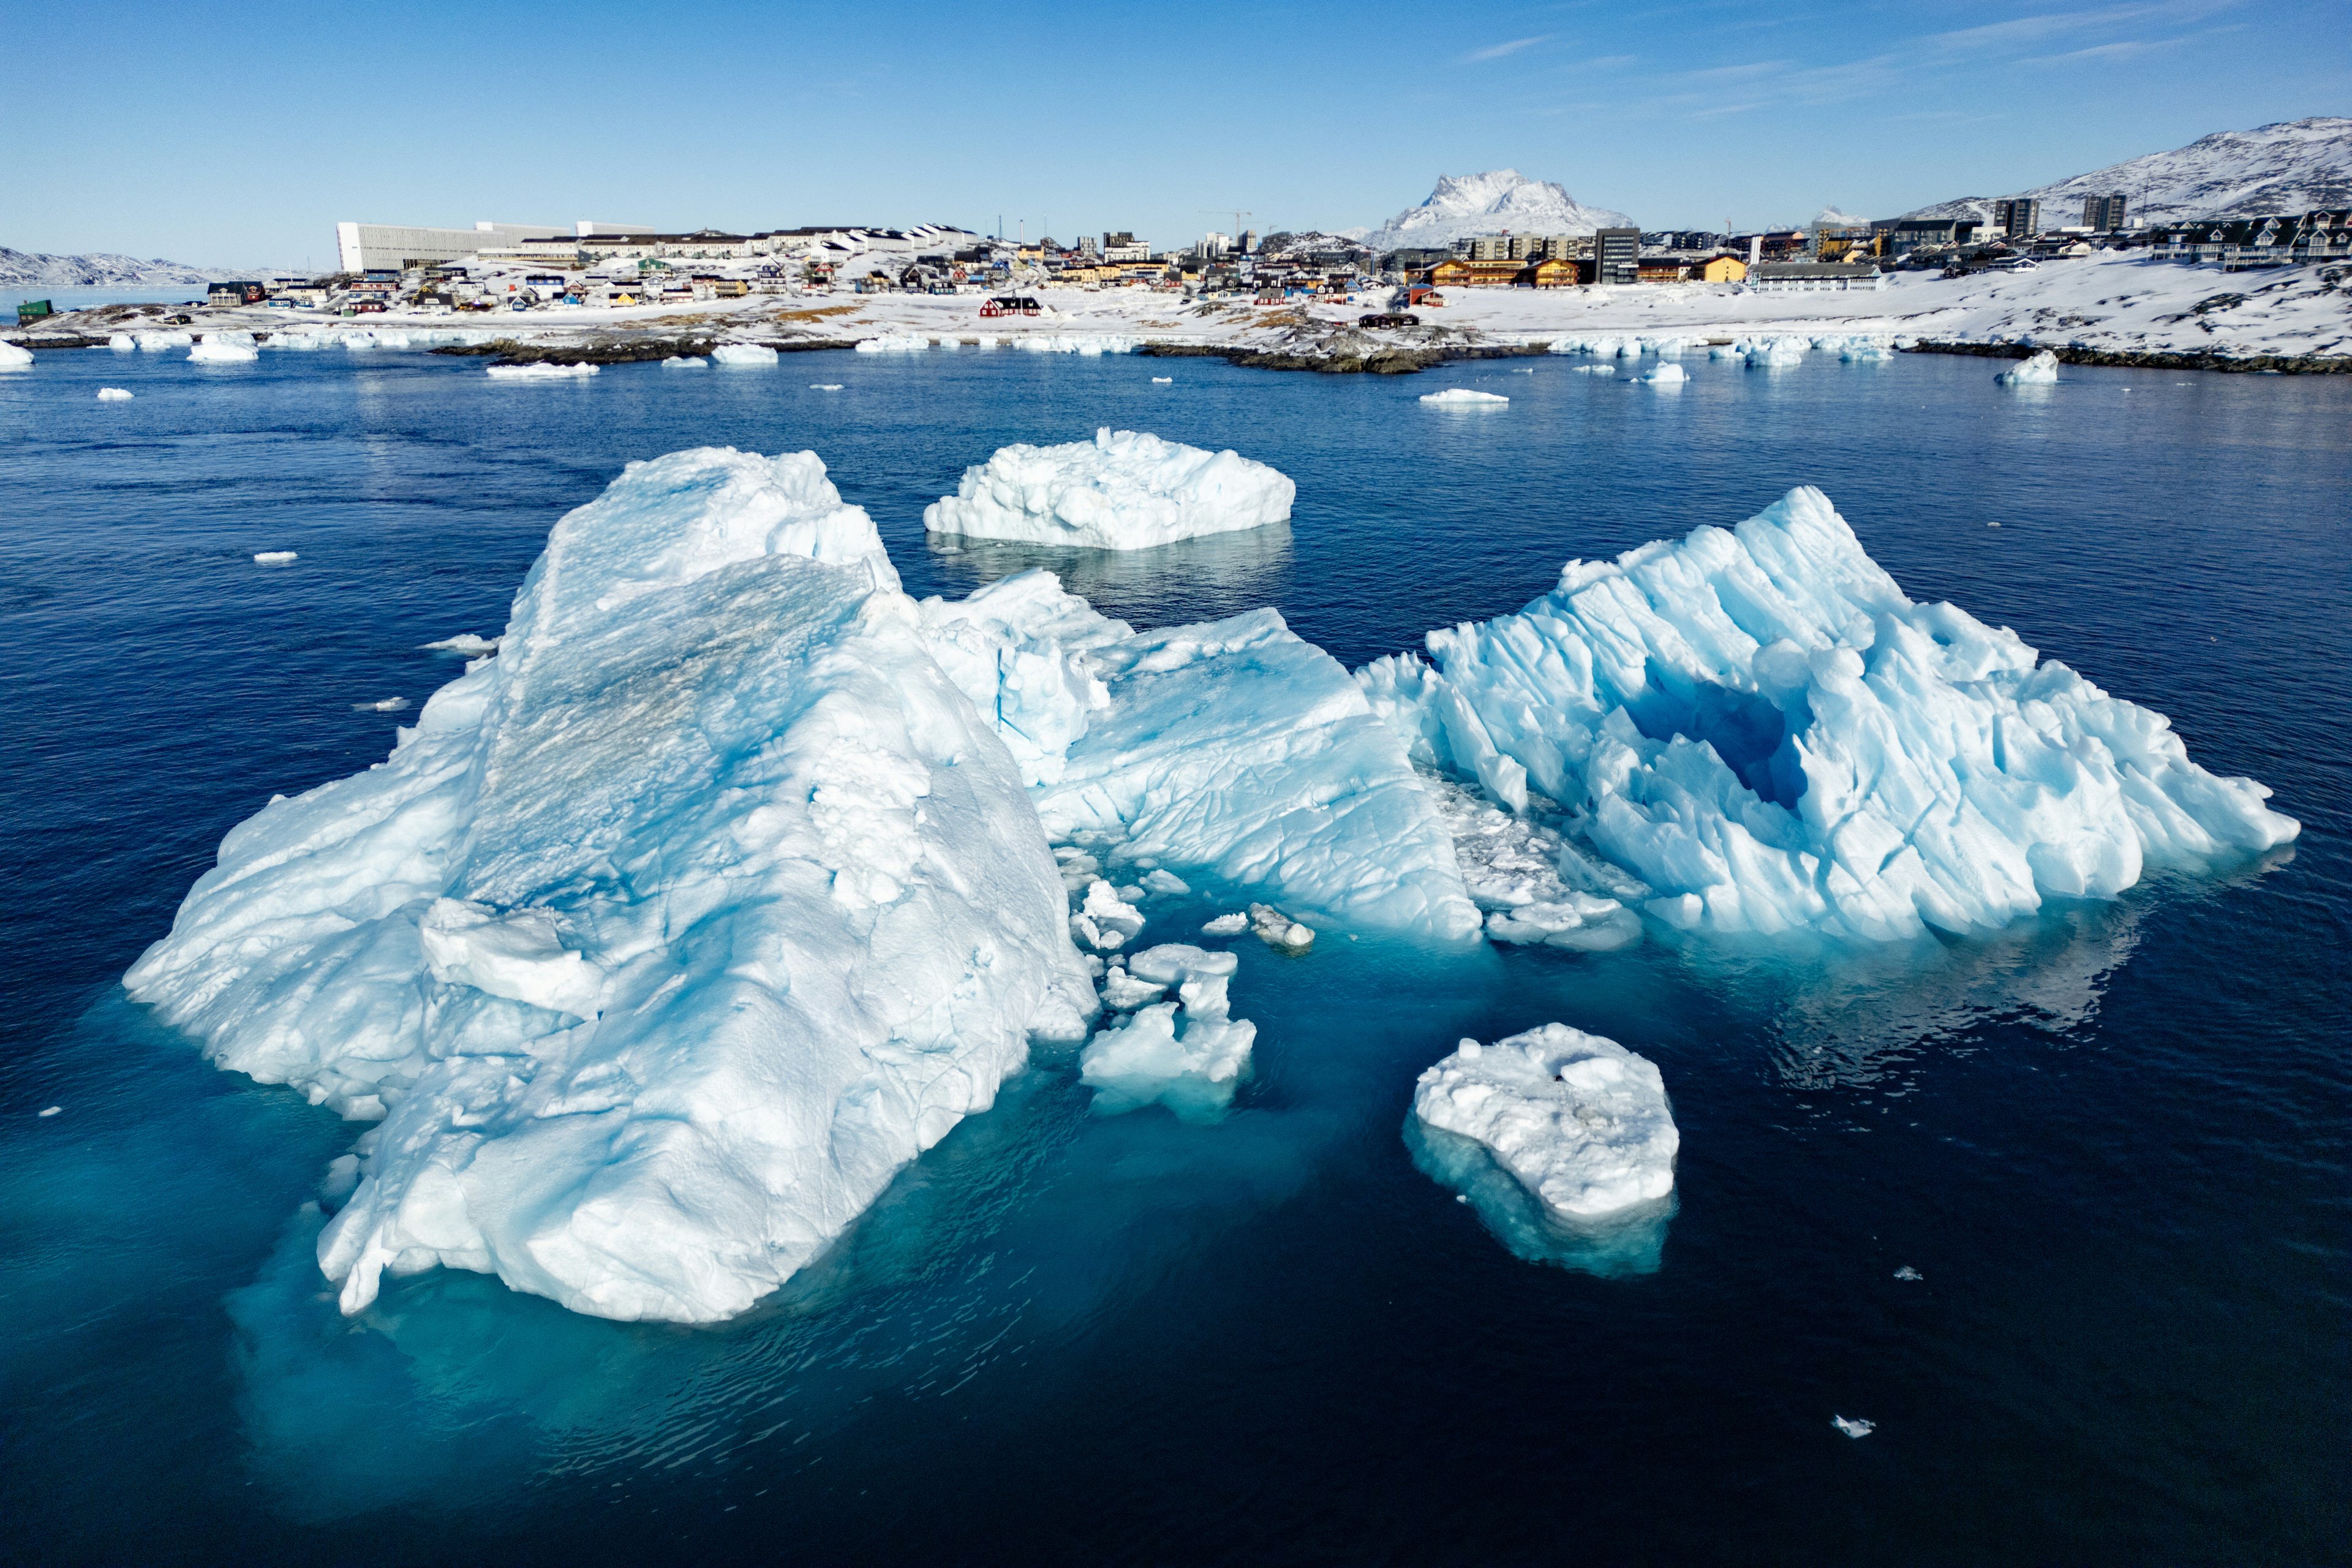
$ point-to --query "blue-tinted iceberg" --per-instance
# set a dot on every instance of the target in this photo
(1232, 749)
(1122, 490)
(668, 935)
(1760, 725)
(1189, 1053)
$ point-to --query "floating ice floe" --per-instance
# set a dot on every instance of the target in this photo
(1226, 925)
(2041, 369)
(123, 343)
(388, 705)
(467, 643)
(1581, 1122)
(112, 394)
(1055, 343)
(686, 362)
(48, 1111)
(743, 356)
(12, 357)
(1163, 381)
(1122, 490)
(1907, 1272)
(664, 940)
(1856, 1427)
(159, 340)
(1230, 748)
(1760, 725)
(1596, 370)
(894, 343)
(1777, 352)
(273, 557)
(224, 348)
(1189, 1054)
(825, 386)
(1104, 921)
(1668, 374)
(541, 371)
(1464, 397)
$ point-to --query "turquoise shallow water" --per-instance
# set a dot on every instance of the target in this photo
(2112, 1139)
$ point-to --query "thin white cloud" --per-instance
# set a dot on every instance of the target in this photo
(1498, 51)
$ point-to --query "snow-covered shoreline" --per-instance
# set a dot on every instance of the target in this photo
(2101, 309)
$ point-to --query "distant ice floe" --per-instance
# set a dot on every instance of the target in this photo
(711, 691)
(161, 340)
(1464, 397)
(1582, 1122)
(467, 643)
(123, 343)
(12, 357)
(388, 705)
(112, 394)
(686, 362)
(1596, 370)
(1669, 374)
(743, 356)
(894, 343)
(273, 557)
(541, 371)
(1279, 931)
(2041, 370)
(224, 348)
(1855, 1427)
(825, 386)
(1087, 346)
(1162, 380)
(1189, 1054)
(1759, 726)
(1122, 490)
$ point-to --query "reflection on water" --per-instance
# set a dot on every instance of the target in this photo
(1193, 579)
(1631, 1241)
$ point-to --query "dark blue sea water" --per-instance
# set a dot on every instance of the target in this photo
(2113, 1140)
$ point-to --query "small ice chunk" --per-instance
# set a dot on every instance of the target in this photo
(1668, 374)
(1857, 1427)
(825, 386)
(389, 705)
(1582, 1122)
(1907, 1272)
(1464, 398)
(743, 354)
(112, 394)
(123, 343)
(272, 557)
(51, 1109)
(1105, 920)
(1278, 929)
(2041, 368)
(467, 643)
(1162, 380)
(1226, 925)
(1596, 370)
(1188, 1054)
(540, 371)
(1123, 993)
(1165, 882)
(686, 362)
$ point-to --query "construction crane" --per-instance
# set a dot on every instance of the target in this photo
(1239, 213)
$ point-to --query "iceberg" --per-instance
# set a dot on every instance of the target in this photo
(893, 344)
(224, 348)
(1582, 1122)
(12, 357)
(1230, 748)
(273, 557)
(157, 342)
(744, 354)
(666, 938)
(541, 371)
(1122, 490)
(113, 394)
(1189, 1054)
(123, 343)
(1758, 725)
(686, 362)
(1668, 374)
(1464, 397)
(2042, 369)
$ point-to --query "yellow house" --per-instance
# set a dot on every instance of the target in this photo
(1722, 269)
(1556, 273)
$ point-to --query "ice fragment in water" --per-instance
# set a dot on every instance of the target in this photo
(743, 354)
(1464, 398)
(467, 643)
(1907, 1272)
(1104, 921)
(1188, 1054)
(540, 371)
(273, 557)
(389, 705)
(2041, 369)
(1226, 925)
(50, 1110)
(112, 394)
(1122, 490)
(1278, 929)
(1856, 1427)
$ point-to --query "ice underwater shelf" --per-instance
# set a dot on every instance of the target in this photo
(735, 877)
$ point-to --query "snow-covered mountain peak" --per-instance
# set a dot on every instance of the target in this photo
(2292, 166)
(1491, 202)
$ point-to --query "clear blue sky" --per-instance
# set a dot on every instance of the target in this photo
(238, 135)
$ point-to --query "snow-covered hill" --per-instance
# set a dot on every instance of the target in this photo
(33, 269)
(2293, 167)
(1489, 204)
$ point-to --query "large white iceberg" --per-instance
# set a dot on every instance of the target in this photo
(668, 935)
(749, 355)
(224, 348)
(1582, 1122)
(1230, 748)
(1761, 726)
(15, 358)
(1122, 490)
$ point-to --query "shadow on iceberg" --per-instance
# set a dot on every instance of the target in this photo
(1631, 1241)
